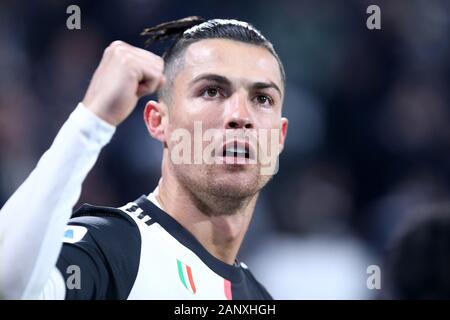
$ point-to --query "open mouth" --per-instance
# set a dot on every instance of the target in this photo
(238, 152)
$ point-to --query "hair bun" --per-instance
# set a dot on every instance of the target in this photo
(170, 29)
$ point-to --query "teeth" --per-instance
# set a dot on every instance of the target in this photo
(233, 150)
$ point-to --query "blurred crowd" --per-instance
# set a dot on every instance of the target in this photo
(368, 146)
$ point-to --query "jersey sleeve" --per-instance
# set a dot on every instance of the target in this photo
(34, 217)
(100, 257)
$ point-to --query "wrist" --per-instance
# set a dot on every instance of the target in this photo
(100, 112)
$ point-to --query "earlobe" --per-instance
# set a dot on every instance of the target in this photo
(153, 116)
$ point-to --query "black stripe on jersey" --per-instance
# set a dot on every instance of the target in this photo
(97, 211)
(249, 289)
(108, 256)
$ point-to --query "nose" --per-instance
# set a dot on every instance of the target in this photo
(238, 116)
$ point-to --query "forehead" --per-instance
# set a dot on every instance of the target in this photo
(232, 59)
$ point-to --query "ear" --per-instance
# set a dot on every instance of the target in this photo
(283, 132)
(154, 117)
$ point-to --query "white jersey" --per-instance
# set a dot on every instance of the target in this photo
(140, 252)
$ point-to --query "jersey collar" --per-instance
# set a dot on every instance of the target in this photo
(152, 207)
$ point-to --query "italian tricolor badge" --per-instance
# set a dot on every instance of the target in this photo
(185, 273)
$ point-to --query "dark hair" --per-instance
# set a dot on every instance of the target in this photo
(189, 30)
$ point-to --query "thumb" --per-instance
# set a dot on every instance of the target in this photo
(147, 87)
(162, 82)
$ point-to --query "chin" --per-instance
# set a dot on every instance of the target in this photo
(235, 182)
(228, 181)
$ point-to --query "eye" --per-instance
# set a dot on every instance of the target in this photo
(210, 92)
(264, 100)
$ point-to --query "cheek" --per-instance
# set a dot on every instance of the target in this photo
(269, 131)
(267, 122)
(190, 109)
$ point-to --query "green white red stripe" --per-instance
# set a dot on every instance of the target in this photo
(185, 273)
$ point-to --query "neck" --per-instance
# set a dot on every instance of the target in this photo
(218, 223)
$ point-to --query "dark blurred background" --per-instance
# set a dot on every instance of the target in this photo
(368, 147)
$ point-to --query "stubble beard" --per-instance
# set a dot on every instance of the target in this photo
(218, 190)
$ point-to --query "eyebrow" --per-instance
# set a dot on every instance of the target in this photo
(211, 77)
(226, 82)
(265, 85)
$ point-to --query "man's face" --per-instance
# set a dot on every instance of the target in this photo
(236, 89)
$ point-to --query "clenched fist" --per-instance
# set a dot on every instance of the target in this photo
(124, 74)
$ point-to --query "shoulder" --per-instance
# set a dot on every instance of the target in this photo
(106, 243)
(104, 216)
(104, 224)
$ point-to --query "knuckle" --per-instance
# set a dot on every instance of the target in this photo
(117, 43)
(115, 48)
(159, 60)
(120, 50)
(155, 57)
(126, 57)
(159, 65)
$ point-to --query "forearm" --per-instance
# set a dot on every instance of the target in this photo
(32, 221)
